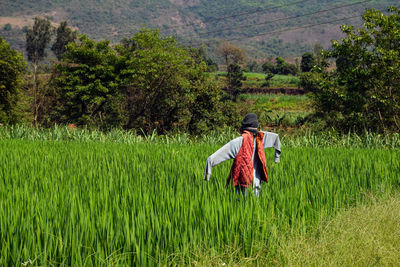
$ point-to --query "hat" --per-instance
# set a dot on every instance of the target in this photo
(250, 121)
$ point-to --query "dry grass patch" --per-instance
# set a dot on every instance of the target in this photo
(366, 235)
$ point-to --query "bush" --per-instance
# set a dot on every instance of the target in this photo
(12, 66)
(364, 91)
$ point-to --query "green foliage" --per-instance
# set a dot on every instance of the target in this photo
(234, 78)
(268, 67)
(165, 87)
(281, 102)
(64, 35)
(280, 63)
(280, 67)
(12, 67)
(201, 55)
(283, 111)
(87, 85)
(308, 61)
(318, 52)
(253, 75)
(364, 92)
(212, 66)
(37, 39)
(284, 68)
(253, 66)
(285, 81)
(268, 78)
(7, 27)
(257, 80)
(146, 83)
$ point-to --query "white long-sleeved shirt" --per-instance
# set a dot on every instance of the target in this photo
(231, 149)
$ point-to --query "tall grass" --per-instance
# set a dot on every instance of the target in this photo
(258, 80)
(219, 137)
(365, 235)
(280, 102)
(142, 204)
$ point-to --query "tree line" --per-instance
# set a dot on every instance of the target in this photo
(363, 91)
(149, 82)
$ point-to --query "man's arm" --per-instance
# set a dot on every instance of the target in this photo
(272, 140)
(228, 151)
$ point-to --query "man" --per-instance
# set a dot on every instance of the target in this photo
(249, 168)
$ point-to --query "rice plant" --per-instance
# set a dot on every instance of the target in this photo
(143, 204)
(218, 137)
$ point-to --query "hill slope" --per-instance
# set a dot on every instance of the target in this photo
(196, 21)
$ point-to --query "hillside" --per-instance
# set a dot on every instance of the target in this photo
(196, 21)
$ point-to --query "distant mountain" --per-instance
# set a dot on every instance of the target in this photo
(262, 27)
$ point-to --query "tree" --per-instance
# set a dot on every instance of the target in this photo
(12, 66)
(290, 69)
(165, 87)
(37, 39)
(235, 77)
(270, 70)
(7, 27)
(308, 61)
(269, 67)
(254, 67)
(280, 65)
(64, 35)
(318, 54)
(201, 55)
(231, 54)
(88, 86)
(364, 91)
(284, 68)
(268, 78)
(145, 83)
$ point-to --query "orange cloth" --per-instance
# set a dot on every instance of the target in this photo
(242, 168)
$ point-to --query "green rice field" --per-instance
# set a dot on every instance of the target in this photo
(281, 102)
(256, 80)
(75, 203)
